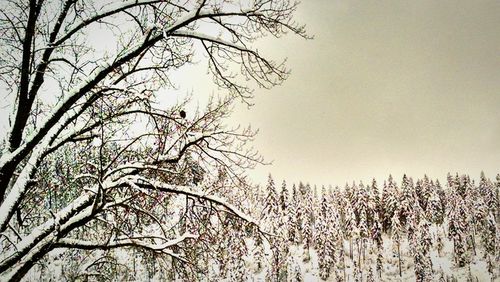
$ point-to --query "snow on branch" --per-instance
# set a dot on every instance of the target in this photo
(127, 242)
(151, 184)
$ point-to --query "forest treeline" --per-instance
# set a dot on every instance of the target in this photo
(359, 232)
(351, 222)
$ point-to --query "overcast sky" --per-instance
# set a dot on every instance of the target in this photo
(385, 87)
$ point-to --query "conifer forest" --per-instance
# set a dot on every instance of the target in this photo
(414, 230)
(136, 137)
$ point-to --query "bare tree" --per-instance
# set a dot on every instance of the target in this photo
(91, 160)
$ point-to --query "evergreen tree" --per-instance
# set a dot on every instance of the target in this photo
(418, 190)
(440, 243)
(362, 221)
(281, 250)
(496, 201)
(361, 238)
(259, 254)
(307, 226)
(283, 200)
(379, 263)
(389, 202)
(350, 227)
(412, 227)
(293, 230)
(476, 217)
(488, 195)
(396, 234)
(442, 197)
(325, 243)
(407, 199)
(376, 232)
(271, 203)
(301, 212)
(421, 253)
(425, 193)
(435, 209)
(236, 270)
(360, 203)
(489, 238)
(457, 228)
(275, 219)
(374, 207)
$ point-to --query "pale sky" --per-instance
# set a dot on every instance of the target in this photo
(385, 87)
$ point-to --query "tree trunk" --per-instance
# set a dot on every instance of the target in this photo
(350, 248)
(399, 260)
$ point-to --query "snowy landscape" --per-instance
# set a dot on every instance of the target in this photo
(169, 140)
(413, 231)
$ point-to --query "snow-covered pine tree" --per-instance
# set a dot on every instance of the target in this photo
(496, 201)
(421, 266)
(459, 185)
(301, 212)
(349, 227)
(283, 198)
(338, 200)
(425, 193)
(349, 193)
(373, 203)
(376, 236)
(397, 236)
(316, 198)
(259, 254)
(407, 199)
(440, 242)
(316, 213)
(421, 253)
(376, 232)
(236, 269)
(269, 219)
(307, 224)
(294, 224)
(389, 202)
(489, 241)
(435, 209)
(274, 221)
(458, 228)
(337, 236)
(412, 226)
(362, 238)
(362, 223)
(380, 258)
(442, 197)
(324, 239)
(477, 214)
(488, 194)
(271, 207)
(418, 190)
(281, 241)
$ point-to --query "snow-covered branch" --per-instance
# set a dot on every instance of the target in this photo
(188, 191)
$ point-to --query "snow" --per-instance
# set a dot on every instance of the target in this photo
(188, 190)
(179, 22)
(207, 37)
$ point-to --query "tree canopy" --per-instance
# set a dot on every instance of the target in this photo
(92, 160)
